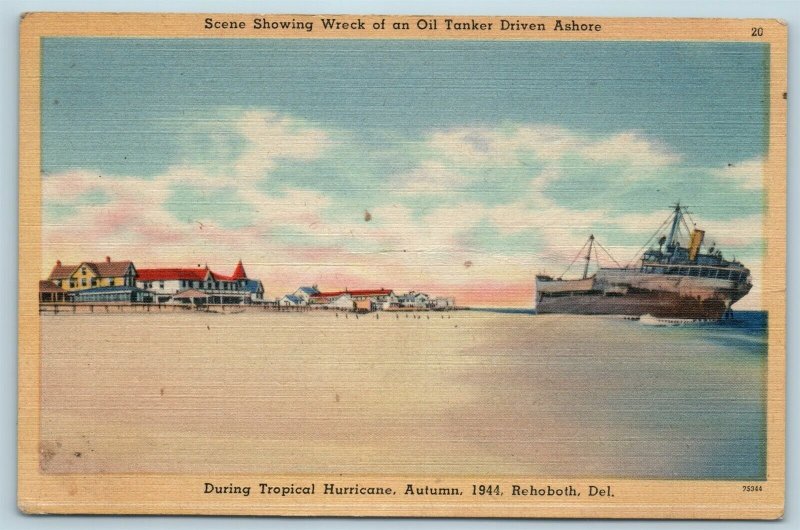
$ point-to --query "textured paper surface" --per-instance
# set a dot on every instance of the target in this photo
(456, 156)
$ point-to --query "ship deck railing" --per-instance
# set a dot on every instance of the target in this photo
(700, 271)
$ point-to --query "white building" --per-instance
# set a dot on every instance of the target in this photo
(290, 300)
(221, 289)
(304, 294)
(442, 303)
(343, 302)
(390, 302)
(414, 300)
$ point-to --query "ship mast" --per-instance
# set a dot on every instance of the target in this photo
(675, 223)
(588, 257)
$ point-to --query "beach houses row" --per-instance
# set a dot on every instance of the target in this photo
(121, 281)
(364, 300)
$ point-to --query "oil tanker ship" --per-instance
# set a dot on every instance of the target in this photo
(670, 281)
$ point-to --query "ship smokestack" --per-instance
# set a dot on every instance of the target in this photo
(695, 242)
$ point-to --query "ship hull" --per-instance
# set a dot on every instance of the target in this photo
(659, 305)
(632, 293)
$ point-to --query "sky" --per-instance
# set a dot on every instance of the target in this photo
(457, 168)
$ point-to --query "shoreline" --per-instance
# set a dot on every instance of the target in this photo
(124, 307)
(231, 309)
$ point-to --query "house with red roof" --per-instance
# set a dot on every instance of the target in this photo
(236, 288)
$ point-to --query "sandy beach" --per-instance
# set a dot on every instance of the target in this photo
(458, 392)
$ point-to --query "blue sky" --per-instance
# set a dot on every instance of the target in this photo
(501, 154)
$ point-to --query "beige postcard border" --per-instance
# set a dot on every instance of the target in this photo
(182, 493)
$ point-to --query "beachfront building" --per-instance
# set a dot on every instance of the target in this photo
(344, 302)
(414, 300)
(166, 283)
(442, 303)
(364, 306)
(191, 296)
(50, 293)
(93, 274)
(253, 288)
(301, 297)
(376, 298)
(304, 294)
(290, 300)
(392, 301)
(256, 290)
(113, 294)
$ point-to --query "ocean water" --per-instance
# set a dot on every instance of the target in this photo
(468, 392)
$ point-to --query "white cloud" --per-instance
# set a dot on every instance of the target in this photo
(748, 174)
(271, 136)
(457, 155)
(481, 145)
(630, 148)
(432, 177)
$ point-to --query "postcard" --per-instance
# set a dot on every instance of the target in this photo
(402, 266)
